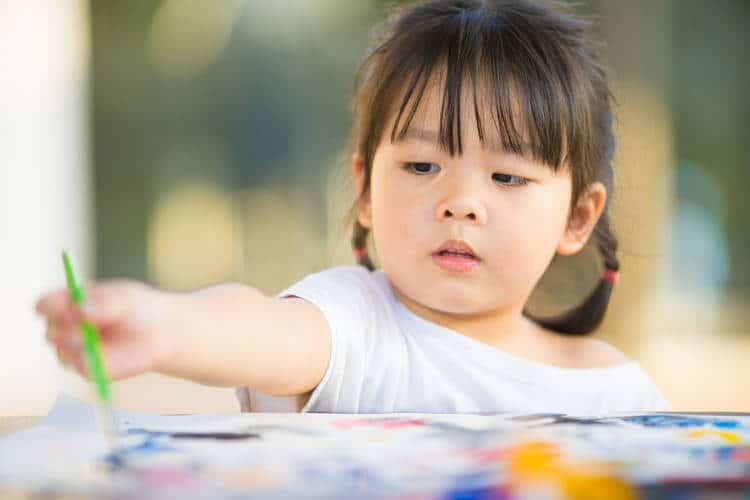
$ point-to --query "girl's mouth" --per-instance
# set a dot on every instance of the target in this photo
(455, 261)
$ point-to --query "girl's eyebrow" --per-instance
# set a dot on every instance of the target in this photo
(422, 135)
(418, 134)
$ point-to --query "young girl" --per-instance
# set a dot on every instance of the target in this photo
(482, 146)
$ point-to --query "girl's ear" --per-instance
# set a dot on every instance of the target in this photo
(364, 206)
(583, 220)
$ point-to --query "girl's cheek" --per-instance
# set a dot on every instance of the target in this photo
(400, 204)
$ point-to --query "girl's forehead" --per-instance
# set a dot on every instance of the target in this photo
(472, 114)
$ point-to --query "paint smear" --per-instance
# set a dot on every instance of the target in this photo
(539, 468)
(679, 421)
(221, 436)
(383, 423)
(728, 436)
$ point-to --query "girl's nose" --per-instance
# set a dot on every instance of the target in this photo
(461, 208)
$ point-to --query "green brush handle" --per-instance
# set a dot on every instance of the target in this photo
(89, 337)
(93, 351)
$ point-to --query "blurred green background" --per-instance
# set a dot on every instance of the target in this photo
(250, 95)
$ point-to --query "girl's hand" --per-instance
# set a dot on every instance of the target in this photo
(127, 314)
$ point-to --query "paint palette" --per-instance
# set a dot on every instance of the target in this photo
(380, 456)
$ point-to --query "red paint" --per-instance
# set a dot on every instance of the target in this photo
(167, 477)
(388, 423)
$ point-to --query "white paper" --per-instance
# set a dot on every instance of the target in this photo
(330, 455)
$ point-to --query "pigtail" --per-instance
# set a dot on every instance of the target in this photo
(359, 244)
(587, 317)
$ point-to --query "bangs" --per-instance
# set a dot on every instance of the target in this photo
(521, 87)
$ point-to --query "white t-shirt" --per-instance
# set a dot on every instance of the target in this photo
(386, 359)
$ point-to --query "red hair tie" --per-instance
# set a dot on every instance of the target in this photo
(612, 276)
(360, 252)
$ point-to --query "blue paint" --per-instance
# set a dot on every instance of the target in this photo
(479, 485)
(154, 443)
(151, 444)
(477, 493)
(115, 461)
(727, 424)
(724, 452)
(663, 421)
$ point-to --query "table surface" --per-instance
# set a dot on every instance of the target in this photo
(12, 424)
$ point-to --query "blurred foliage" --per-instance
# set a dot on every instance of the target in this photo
(711, 108)
(270, 110)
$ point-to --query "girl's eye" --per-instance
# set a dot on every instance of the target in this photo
(509, 180)
(421, 168)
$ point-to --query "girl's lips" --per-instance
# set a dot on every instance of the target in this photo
(455, 262)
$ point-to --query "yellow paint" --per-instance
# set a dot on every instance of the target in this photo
(540, 466)
(728, 436)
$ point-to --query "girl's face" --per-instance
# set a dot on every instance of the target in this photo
(512, 211)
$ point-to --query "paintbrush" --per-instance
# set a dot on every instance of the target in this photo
(95, 366)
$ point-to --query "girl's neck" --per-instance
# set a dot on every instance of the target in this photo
(513, 333)
(493, 327)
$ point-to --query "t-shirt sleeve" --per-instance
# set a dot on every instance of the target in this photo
(655, 401)
(650, 397)
(345, 296)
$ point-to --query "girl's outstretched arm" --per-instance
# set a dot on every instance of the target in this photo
(226, 335)
(234, 335)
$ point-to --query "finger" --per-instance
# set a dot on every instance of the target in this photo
(55, 333)
(59, 328)
(55, 304)
(67, 356)
(108, 302)
(125, 357)
(79, 364)
(72, 357)
(70, 350)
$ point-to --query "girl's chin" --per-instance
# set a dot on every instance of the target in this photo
(449, 304)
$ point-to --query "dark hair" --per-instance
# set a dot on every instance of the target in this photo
(517, 50)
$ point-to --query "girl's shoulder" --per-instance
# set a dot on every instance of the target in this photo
(598, 353)
(344, 275)
(582, 352)
(345, 284)
(343, 271)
